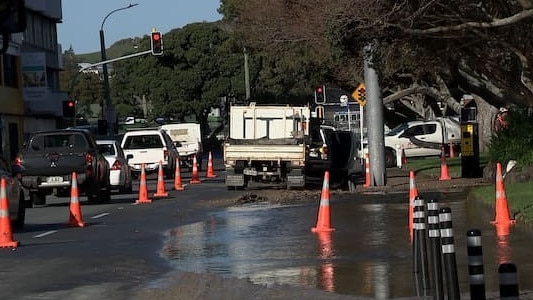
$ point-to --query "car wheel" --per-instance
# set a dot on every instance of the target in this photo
(390, 158)
(21, 215)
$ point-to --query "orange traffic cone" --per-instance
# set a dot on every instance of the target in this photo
(444, 175)
(502, 208)
(210, 170)
(413, 193)
(161, 190)
(367, 171)
(323, 222)
(194, 178)
(6, 234)
(75, 218)
(177, 177)
(404, 158)
(143, 189)
(452, 151)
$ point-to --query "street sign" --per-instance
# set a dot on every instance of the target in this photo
(360, 94)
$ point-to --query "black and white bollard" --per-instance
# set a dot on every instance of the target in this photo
(476, 273)
(420, 260)
(448, 253)
(508, 282)
(435, 249)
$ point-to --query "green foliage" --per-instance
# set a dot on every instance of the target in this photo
(514, 142)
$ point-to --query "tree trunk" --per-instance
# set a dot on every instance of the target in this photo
(485, 116)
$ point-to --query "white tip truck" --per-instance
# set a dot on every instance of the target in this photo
(266, 144)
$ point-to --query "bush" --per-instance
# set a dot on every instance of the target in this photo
(515, 142)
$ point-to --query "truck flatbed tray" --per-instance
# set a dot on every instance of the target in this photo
(265, 141)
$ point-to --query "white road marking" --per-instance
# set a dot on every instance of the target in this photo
(100, 215)
(45, 234)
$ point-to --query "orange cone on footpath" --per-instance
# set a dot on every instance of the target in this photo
(413, 193)
(6, 234)
(143, 189)
(177, 177)
(444, 174)
(452, 151)
(502, 208)
(161, 190)
(367, 171)
(194, 179)
(323, 223)
(210, 170)
(75, 218)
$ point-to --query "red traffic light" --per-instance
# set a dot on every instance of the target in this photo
(70, 103)
(157, 43)
(319, 90)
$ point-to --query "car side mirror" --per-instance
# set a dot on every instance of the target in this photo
(129, 156)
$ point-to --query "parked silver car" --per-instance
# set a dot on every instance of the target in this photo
(119, 169)
(14, 193)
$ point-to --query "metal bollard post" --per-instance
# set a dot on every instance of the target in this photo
(435, 249)
(420, 262)
(508, 281)
(476, 271)
(448, 253)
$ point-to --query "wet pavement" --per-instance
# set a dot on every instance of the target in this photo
(368, 254)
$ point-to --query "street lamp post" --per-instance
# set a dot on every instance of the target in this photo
(108, 109)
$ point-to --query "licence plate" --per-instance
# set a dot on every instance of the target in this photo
(54, 179)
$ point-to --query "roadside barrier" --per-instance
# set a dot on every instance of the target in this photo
(194, 179)
(177, 177)
(75, 218)
(502, 214)
(210, 170)
(435, 249)
(476, 273)
(508, 281)
(448, 252)
(367, 171)
(413, 193)
(6, 233)
(143, 189)
(161, 190)
(323, 223)
(420, 261)
(444, 174)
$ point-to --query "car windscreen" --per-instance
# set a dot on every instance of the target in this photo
(106, 149)
(142, 142)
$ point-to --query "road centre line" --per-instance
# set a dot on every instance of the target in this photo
(45, 234)
(100, 215)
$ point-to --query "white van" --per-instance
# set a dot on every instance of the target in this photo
(187, 137)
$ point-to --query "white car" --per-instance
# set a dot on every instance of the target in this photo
(150, 147)
(119, 169)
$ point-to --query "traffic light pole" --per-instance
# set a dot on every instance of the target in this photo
(73, 81)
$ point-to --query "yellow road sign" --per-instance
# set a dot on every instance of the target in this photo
(360, 94)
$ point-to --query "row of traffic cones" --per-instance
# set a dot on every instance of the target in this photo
(178, 185)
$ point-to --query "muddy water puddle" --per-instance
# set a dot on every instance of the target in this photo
(368, 254)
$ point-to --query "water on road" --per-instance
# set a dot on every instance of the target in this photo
(368, 254)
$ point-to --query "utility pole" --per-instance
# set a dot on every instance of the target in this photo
(246, 74)
(374, 103)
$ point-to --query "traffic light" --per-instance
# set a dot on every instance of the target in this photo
(157, 43)
(69, 109)
(360, 94)
(320, 95)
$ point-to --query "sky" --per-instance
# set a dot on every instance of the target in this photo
(82, 20)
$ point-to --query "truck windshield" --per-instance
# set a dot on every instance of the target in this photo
(143, 142)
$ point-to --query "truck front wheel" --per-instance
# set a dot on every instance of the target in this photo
(390, 158)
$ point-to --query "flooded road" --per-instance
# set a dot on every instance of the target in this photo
(368, 254)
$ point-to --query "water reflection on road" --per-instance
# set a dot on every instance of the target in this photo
(368, 254)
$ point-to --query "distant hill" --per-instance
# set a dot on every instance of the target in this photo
(118, 49)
